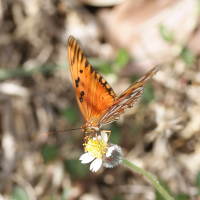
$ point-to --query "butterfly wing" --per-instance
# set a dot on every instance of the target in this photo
(94, 95)
(127, 98)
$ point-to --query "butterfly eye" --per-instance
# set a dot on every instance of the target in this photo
(87, 130)
(82, 129)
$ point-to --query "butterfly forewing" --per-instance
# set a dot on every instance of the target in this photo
(94, 95)
(127, 98)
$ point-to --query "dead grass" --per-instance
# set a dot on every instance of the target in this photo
(162, 137)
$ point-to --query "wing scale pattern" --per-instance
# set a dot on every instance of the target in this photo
(127, 98)
(94, 95)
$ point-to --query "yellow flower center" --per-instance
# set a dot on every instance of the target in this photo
(96, 148)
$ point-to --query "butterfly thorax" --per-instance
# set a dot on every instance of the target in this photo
(90, 126)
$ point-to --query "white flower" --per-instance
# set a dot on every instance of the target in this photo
(87, 158)
(101, 152)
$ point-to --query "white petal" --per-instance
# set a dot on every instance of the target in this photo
(104, 136)
(86, 158)
(95, 165)
(110, 150)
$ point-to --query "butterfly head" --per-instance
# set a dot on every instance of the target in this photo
(90, 126)
(85, 129)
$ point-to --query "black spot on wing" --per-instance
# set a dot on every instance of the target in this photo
(100, 79)
(81, 99)
(74, 52)
(95, 75)
(81, 57)
(91, 70)
(81, 71)
(82, 93)
(109, 90)
(122, 95)
(77, 81)
(104, 84)
(78, 53)
(86, 64)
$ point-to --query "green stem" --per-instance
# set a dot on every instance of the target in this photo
(48, 68)
(150, 177)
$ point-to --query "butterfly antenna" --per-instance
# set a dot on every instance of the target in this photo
(61, 131)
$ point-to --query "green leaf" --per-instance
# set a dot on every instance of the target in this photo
(116, 135)
(198, 181)
(148, 94)
(49, 153)
(164, 185)
(71, 115)
(166, 33)
(106, 68)
(182, 197)
(117, 198)
(50, 197)
(188, 56)
(19, 193)
(134, 78)
(122, 58)
(76, 168)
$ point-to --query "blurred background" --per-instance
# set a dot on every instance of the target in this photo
(122, 39)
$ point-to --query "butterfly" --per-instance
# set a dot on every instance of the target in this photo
(97, 101)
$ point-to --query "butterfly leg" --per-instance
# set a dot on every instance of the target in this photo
(87, 136)
(97, 137)
(99, 142)
(106, 131)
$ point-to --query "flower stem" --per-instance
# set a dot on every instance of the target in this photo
(150, 177)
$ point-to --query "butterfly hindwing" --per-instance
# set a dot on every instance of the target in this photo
(127, 98)
(94, 95)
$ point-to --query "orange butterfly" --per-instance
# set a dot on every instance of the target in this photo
(96, 99)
